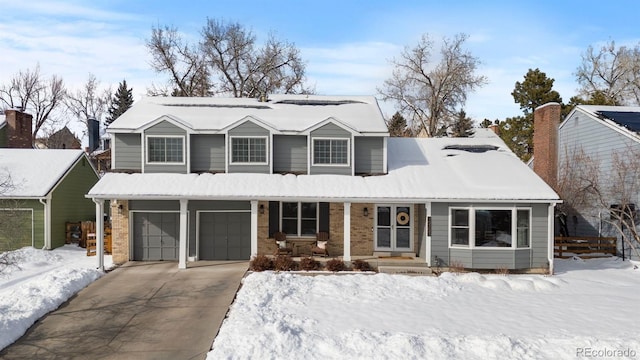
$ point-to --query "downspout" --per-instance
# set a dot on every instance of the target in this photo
(47, 223)
(551, 242)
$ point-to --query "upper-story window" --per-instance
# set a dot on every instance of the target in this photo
(331, 151)
(249, 150)
(165, 149)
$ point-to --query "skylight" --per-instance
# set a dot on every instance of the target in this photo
(227, 106)
(318, 102)
(472, 148)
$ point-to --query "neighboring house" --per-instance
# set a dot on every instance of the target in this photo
(595, 132)
(214, 178)
(47, 189)
(62, 139)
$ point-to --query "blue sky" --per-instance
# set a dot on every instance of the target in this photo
(347, 44)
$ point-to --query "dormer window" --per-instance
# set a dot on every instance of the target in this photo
(165, 149)
(249, 150)
(331, 152)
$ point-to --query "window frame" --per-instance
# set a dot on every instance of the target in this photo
(472, 227)
(266, 150)
(299, 218)
(148, 152)
(330, 139)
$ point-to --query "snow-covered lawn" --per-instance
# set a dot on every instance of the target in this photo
(589, 309)
(39, 283)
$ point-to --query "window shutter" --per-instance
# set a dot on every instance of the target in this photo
(323, 223)
(274, 217)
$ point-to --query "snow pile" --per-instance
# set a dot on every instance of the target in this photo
(39, 283)
(588, 306)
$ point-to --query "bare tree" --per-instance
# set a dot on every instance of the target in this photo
(430, 93)
(89, 102)
(590, 187)
(188, 73)
(226, 61)
(612, 73)
(40, 97)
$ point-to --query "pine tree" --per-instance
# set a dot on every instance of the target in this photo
(397, 126)
(462, 125)
(121, 102)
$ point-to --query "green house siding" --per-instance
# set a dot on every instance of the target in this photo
(68, 202)
(31, 208)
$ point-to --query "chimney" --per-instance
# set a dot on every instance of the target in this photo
(546, 119)
(495, 128)
(18, 129)
(94, 134)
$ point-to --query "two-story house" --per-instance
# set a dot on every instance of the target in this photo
(214, 178)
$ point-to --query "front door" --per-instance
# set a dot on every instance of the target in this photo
(393, 227)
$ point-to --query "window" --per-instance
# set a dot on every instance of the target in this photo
(249, 150)
(299, 218)
(490, 228)
(331, 152)
(165, 149)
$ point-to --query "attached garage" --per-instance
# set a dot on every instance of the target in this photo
(224, 235)
(155, 236)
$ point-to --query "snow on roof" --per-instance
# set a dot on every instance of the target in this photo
(283, 112)
(34, 172)
(419, 169)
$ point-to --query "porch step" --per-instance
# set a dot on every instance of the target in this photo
(405, 270)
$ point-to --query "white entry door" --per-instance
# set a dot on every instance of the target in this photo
(393, 227)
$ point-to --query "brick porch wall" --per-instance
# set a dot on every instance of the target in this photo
(120, 231)
(266, 246)
(362, 229)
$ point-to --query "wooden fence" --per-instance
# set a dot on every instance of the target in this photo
(584, 246)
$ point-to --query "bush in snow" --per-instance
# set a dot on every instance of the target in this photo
(335, 265)
(360, 265)
(261, 263)
(284, 263)
(309, 264)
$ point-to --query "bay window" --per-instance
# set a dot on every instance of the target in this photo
(490, 228)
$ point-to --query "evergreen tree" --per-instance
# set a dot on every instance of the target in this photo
(462, 125)
(121, 102)
(397, 126)
(517, 133)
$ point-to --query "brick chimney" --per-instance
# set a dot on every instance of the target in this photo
(495, 128)
(546, 119)
(18, 129)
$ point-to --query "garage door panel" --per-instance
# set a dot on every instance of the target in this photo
(224, 236)
(155, 236)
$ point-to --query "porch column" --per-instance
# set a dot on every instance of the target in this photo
(254, 228)
(182, 253)
(100, 233)
(427, 231)
(347, 232)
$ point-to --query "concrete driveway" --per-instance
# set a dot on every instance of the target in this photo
(141, 310)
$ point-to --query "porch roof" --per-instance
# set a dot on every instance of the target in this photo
(441, 169)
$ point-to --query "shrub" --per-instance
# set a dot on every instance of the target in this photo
(309, 264)
(284, 263)
(335, 265)
(361, 265)
(456, 266)
(261, 263)
(502, 270)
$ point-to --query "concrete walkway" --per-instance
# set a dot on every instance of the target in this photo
(141, 310)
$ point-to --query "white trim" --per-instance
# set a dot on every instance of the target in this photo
(254, 228)
(266, 150)
(183, 234)
(132, 212)
(385, 166)
(100, 233)
(163, 163)
(427, 208)
(550, 234)
(329, 120)
(173, 120)
(349, 150)
(33, 240)
(472, 227)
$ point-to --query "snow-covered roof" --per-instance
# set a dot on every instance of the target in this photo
(295, 113)
(33, 172)
(420, 169)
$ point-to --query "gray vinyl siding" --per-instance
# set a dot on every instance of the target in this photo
(289, 154)
(331, 131)
(165, 128)
(369, 155)
(154, 205)
(249, 128)
(477, 258)
(207, 153)
(600, 142)
(127, 152)
(421, 214)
